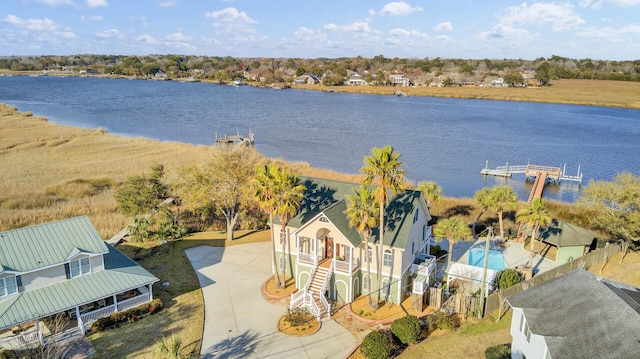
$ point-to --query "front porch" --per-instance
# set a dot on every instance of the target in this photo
(311, 251)
(71, 322)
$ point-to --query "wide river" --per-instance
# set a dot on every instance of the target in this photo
(443, 140)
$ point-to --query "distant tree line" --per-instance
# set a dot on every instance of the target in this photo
(332, 71)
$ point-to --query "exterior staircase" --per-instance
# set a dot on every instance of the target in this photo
(315, 287)
(312, 295)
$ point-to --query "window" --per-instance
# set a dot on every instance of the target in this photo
(347, 252)
(524, 327)
(415, 216)
(80, 267)
(283, 262)
(369, 254)
(324, 219)
(8, 285)
(424, 232)
(386, 287)
(386, 261)
(413, 246)
(365, 283)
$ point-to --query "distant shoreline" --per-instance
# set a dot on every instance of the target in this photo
(604, 93)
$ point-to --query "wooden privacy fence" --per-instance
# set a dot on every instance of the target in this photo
(497, 300)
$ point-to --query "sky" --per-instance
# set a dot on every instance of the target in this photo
(467, 29)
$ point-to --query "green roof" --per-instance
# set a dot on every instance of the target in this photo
(329, 197)
(563, 234)
(120, 274)
(29, 248)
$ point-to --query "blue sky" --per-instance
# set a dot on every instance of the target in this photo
(597, 29)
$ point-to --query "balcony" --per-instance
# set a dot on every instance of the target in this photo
(348, 266)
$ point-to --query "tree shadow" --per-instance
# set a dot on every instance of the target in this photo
(399, 211)
(316, 198)
(459, 210)
(239, 346)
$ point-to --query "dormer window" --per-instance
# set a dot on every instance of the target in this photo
(80, 267)
(8, 285)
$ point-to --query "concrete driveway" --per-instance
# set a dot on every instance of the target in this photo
(239, 322)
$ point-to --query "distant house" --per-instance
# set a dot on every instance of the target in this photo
(399, 80)
(160, 75)
(307, 78)
(356, 80)
(327, 257)
(562, 242)
(63, 268)
(578, 315)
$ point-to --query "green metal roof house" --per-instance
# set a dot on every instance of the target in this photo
(327, 257)
(562, 241)
(63, 267)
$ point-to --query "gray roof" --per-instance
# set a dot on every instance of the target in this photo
(329, 197)
(29, 248)
(120, 275)
(563, 234)
(583, 316)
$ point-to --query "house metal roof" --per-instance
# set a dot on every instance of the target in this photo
(563, 234)
(29, 248)
(583, 316)
(120, 274)
(325, 196)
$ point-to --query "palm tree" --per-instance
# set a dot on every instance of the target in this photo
(503, 198)
(536, 216)
(383, 168)
(264, 181)
(483, 199)
(361, 213)
(288, 198)
(453, 229)
(431, 192)
(171, 348)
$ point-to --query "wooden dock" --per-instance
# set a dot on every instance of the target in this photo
(540, 175)
(236, 139)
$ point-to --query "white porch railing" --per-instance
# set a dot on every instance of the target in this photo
(90, 317)
(303, 298)
(420, 285)
(306, 257)
(347, 266)
(21, 341)
(134, 302)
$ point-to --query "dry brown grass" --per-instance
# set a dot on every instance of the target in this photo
(387, 311)
(584, 92)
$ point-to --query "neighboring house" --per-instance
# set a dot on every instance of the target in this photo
(326, 256)
(562, 242)
(161, 75)
(307, 78)
(356, 80)
(578, 315)
(64, 268)
(398, 80)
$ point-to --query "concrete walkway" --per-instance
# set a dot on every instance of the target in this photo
(239, 322)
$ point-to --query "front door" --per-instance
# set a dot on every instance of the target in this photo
(329, 248)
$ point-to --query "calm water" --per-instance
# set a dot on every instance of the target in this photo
(441, 140)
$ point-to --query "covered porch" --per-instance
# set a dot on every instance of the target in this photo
(311, 251)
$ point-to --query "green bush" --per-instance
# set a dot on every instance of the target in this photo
(406, 329)
(376, 345)
(506, 278)
(446, 321)
(502, 351)
(130, 315)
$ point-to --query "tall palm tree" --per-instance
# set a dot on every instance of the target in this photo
(288, 198)
(483, 199)
(265, 183)
(384, 169)
(503, 198)
(361, 213)
(431, 192)
(536, 216)
(453, 229)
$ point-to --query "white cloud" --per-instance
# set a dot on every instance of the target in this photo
(97, 3)
(230, 14)
(168, 4)
(443, 26)
(561, 16)
(68, 35)
(54, 2)
(611, 34)
(147, 39)
(502, 31)
(31, 24)
(309, 38)
(91, 18)
(596, 4)
(110, 34)
(357, 27)
(397, 32)
(397, 8)
(178, 37)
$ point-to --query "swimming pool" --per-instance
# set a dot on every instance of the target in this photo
(496, 258)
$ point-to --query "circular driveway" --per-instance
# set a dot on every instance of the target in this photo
(239, 322)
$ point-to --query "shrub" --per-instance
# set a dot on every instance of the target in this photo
(446, 321)
(376, 345)
(297, 317)
(406, 329)
(506, 278)
(501, 351)
(130, 315)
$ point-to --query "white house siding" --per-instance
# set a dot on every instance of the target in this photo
(97, 264)
(41, 278)
(535, 348)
